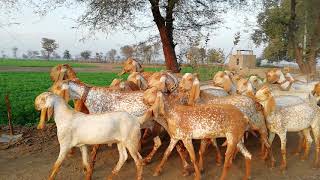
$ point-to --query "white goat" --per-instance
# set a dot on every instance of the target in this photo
(76, 129)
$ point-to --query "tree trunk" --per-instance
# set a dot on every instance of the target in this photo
(165, 30)
(313, 46)
(169, 53)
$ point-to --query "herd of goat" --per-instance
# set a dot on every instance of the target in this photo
(227, 107)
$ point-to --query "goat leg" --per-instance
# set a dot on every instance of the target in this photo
(88, 170)
(157, 144)
(203, 147)
(228, 159)
(218, 152)
(189, 146)
(167, 153)
(94, 155)
(187, 168)
(62, 154)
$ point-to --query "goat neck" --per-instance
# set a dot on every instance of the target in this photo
(269, 106)
(62, 111)
(283, 82)
(76, 89)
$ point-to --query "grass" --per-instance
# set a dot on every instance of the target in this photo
(40, 63)
(23, 87)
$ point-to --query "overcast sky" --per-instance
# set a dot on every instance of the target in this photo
(27, 34)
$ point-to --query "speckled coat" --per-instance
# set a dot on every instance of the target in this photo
(294, 118)
(206, 121)
(203, 121)
(102, 99)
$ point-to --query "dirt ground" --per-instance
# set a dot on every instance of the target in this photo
(33, 157)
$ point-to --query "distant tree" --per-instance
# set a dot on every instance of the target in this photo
(55, 55)
(215, 56)
(111, 55)
(3, 55)
(24, 56)
(49, 45)
(99, 56)
(85, 54)
(32, 54)
(195, 56)
(14, 52)
(127, 51)
(66, 54)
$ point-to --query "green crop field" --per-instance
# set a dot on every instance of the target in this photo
(40, 63)
(23, 87)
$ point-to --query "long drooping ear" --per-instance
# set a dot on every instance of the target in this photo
(162, 85)
(137, 66)
(49, 113)
(158, 106)
(141, 82)
(43, 116)
(195, 91)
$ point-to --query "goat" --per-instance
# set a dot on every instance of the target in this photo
(132, 65)
(200, 122)
(118, 84)
(76, 129)
(58, 73)
(189, 87)
(104, 99)
(224, 80)
(62, 72)
(294, 118)
(288, 87)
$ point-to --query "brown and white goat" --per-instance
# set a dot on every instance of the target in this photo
(294, 118)
(201, 122)
(189, 87)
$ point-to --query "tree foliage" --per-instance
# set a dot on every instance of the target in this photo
(215, 56)
(127, 51)
(66, 54)
(14, 52)
(49, 45)
(111, 55)
(174, 19)
(85, 54)
(291, 29)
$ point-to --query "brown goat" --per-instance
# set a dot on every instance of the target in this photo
(200, 122)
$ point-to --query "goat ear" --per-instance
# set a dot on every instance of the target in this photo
(42, 118)
(195, 92)
(66, 95)
(158, 106)
(162, 86)
(49, 113)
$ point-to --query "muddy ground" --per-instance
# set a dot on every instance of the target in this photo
(33, 157)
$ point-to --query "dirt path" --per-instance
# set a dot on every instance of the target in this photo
(34, 156)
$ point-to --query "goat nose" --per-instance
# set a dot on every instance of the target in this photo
(318, 103)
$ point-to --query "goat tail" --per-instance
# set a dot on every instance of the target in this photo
(145, 117)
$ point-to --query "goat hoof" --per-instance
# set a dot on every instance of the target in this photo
(146, 161)
(315, 166)
(156, 173)
(187, 171)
